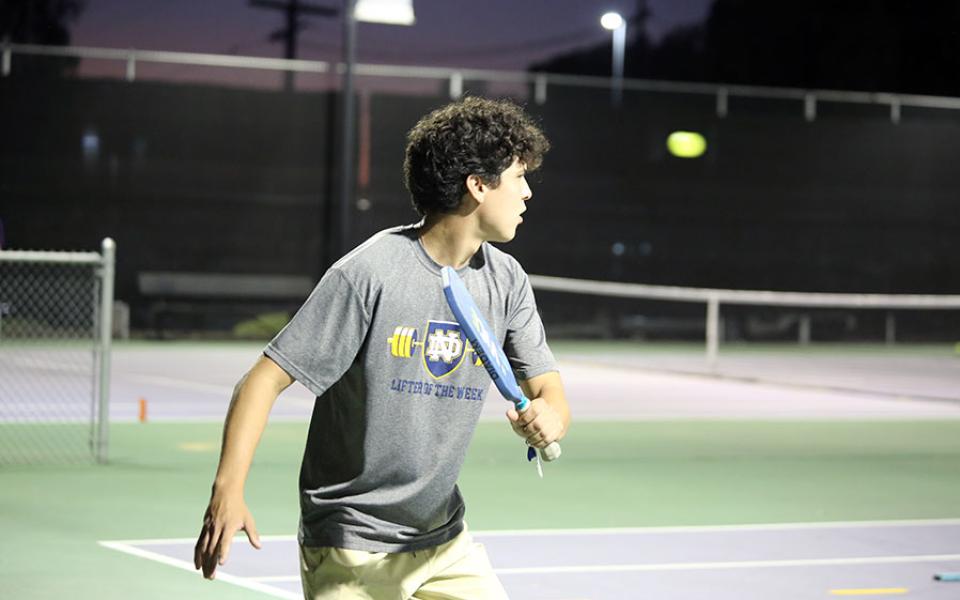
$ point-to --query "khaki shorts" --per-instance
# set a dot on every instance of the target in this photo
(457, 570)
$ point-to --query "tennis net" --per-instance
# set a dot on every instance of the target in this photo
(903, 345)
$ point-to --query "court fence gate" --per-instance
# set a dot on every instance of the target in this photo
(56, 313)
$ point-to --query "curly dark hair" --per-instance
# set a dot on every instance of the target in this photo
(472, 136)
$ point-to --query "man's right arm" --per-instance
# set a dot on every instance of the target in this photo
(227, 513)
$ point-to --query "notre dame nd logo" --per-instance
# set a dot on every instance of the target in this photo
(443, 350)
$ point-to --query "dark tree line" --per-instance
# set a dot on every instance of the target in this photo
(43, 22)
(38, 21)
(871, 45)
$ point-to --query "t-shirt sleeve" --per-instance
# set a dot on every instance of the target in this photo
(322, 340)
(526, 342)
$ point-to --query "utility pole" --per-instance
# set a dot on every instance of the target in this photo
(292, 10)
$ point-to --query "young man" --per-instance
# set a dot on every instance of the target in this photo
(399, 391)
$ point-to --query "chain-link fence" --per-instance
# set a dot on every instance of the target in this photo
(55, 310)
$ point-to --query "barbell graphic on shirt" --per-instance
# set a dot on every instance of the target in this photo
(441, 345)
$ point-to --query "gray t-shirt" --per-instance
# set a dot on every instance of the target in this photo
(399, 389)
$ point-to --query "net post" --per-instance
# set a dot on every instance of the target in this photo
(6, 55)
(713, 330)
(723, 104)
(803, 330)
(456, 85)
(107, 268)
(540, 88)
(131, 65)
(890, 329)
(810, 107)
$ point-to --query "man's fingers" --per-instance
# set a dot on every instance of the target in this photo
(538, 424)
(252, 535)
(213, 540)
(223, 520)
(540, 441)
(206, 566)
(212, 552)
(530, 412)
(210, 567)
(523, 423)
(211, 559)
(225, 543)
(200, 548)
(522, 418)
(535, 437)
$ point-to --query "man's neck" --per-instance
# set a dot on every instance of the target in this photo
(450, 239)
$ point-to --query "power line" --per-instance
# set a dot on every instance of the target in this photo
(292, 10)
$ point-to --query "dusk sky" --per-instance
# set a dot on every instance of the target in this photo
(494, 34)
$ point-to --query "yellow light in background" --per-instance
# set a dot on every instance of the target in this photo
(686, 144)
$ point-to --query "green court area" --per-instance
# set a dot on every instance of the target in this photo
(612, 474)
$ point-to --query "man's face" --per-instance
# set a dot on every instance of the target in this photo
(502, 206)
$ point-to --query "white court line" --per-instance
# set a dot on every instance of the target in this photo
(747, 564)
(300, 398)
(723, 528)
(695, 566)
(45, 364)
(262, 583)
(182, 384)
(759, 380)
(244, 582)
(276, 578)
(780, 415)
(620, 530)
(179, 420)
(212, 388)
(193, 540)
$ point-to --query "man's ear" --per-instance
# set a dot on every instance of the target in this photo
(476, 187)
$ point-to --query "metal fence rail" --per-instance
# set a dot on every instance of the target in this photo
(540, 82)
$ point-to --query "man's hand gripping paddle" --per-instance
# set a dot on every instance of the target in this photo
(485, 345)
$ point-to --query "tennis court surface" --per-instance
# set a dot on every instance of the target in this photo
(674, 483)
(746, 561)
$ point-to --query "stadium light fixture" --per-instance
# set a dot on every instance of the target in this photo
(388, 12)
(611, 20)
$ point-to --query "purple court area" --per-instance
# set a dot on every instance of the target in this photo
(195, 381)
(784, 561)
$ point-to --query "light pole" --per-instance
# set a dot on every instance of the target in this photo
(614, 22)
(347, 128)
(390, 12)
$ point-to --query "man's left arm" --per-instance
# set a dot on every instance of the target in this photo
(548, 416)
